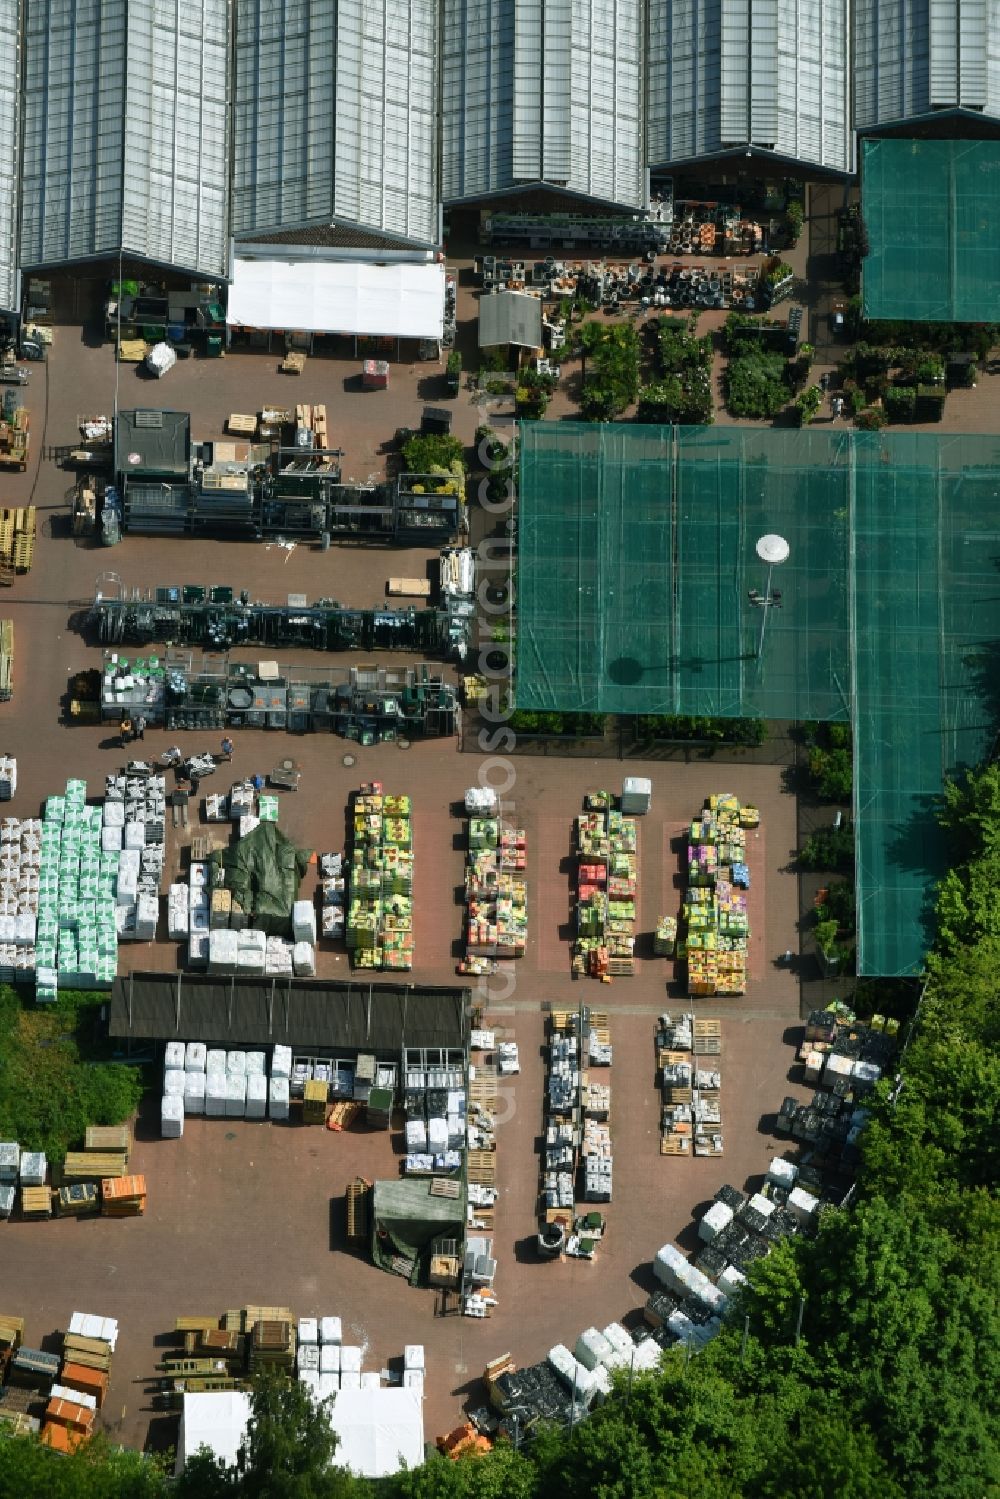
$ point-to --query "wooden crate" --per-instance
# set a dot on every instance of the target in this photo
(292, 364)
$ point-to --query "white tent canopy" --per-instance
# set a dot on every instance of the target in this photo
(398, 300)
(217, 1420)
(378, 1430)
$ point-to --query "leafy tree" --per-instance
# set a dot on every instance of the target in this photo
(28, 1470)
(53, 1081)
(287, 1452)
(430, 452)
(828, 848)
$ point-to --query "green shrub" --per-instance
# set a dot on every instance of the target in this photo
(611, 380)
(831, 772)
(426, 452)
(828, 848)
(54, 1076)
(756, 387)
(839, 906)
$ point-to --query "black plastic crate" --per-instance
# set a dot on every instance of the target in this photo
(731, 1196)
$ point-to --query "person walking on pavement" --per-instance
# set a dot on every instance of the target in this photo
(227, 748)
(140, 727)
(126, 730)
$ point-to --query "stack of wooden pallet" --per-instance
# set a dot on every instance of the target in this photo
(94, 1165)
(358, 1197)
(92, 1353)
(36, 1203)
(6, 659)
(17, 542)
(11, 1338)
(123, 1197)
(113, 1137)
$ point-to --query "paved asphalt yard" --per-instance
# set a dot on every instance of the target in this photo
(253, 1212)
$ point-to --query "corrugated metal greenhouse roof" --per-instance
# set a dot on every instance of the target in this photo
(10, 71)
(300, 1012)
(510, 317)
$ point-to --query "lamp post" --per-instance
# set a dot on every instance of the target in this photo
(773, 550)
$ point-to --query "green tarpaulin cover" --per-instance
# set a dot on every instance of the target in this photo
(264, 872)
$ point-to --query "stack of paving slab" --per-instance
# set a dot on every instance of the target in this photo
(20, 881)
(87, 893)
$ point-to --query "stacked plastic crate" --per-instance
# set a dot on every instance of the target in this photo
(715, 905)
(380, 916)
(496, 891)
(607, 889)
(87, 896)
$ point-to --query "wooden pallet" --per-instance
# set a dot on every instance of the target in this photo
(482, 1167)
(563, 1020)
(357, 1210)
(673, 1094)
(483, 1087)
(675, 1145)
(400, 1265)
(292, 364)
(707, 1038)
(445, 1186)
(241, 425)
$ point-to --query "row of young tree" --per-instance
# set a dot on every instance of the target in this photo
(864, 1362)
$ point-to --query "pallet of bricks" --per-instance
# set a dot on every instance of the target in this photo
(380, 913)
(496, 890)
(688, 1050)
(715, 903)
(606, 843)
